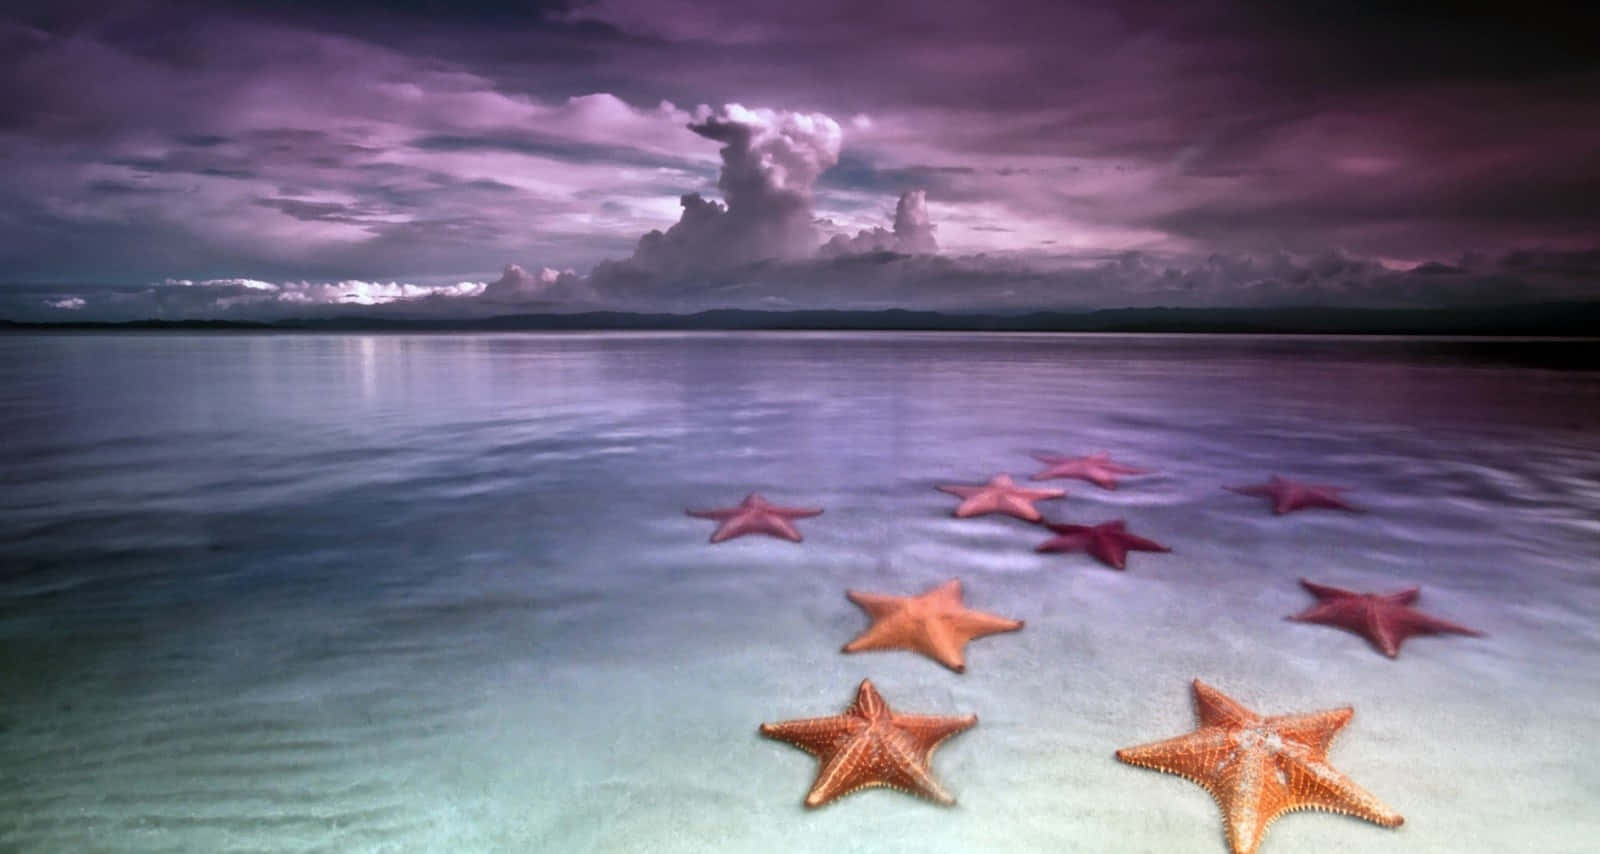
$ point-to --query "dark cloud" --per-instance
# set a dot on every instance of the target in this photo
(424, 140)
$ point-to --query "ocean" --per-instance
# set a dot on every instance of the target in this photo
(417, 593)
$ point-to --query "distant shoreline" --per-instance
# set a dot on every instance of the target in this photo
(1537, 320)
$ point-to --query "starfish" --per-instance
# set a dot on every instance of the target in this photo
(1108, 541)
(756, 515)
(871, 745)
(1290, 495)
(1098, 469)
(1000, 495)
(936, 624)
(1260, 768)
(1384, 619)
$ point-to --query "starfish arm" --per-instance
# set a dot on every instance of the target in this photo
(816, 736)
(1415, 622)
(947, 594)
(1193, 756)
(944, 645)
(1251, 796)
(1331, 502)
(1215, 708)
(877, 605)
(929, 731)
(1040, 494)
(977, 505)
(1138, 543)
(879, 635)
(1064, 543)
(730, 528)
(796, 512)
(842, 773)
(1313, 729)
(777, 526)
(719, 515)
(1102, 479)
(1385, 632)
(977, 624)
(908, 770)
(1403, 597)
(1323, 591)
(1020, 507)
(1109, 551)
(1317, 785)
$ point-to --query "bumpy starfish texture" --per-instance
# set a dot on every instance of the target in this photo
(936, 624)
(756, 515)
(1098, 469)
(1000, 495)
(1384, 619)
(1260, 768)
(1290, 495)
(871, 745)
(1110, 542)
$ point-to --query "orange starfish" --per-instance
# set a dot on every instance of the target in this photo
(1098, 469)
(936, 624)
(871, 745)
(756, 515)
(1000, 495)
(1260, 768)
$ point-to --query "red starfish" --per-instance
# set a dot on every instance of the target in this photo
(1290, 495)
(755, 515)
(1000, 495)
(1108, 541)
(1098, 469)
(1384, 619)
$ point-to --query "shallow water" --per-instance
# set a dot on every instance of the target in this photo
(438, 593)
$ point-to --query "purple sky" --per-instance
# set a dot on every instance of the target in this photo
(262, 158)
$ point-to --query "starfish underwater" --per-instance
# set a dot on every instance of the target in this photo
(1000, 495)
(1259, 768)
(1110, 542)
(1384, 619)
(1098, 469)
(1290, 495)
(936, 624)
(756, 515)
(871, 745)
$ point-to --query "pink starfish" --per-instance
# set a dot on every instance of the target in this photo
(1384, 619)
(1290, 495)
(1098, 469)
(1000, 495)
(755, 515)
(1110, 542)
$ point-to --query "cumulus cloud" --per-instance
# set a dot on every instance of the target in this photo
(912, 234)
(770, 164)
(517, 285)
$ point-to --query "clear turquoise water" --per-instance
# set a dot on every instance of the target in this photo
(437, 593)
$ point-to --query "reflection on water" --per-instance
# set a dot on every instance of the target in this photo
(437, 592)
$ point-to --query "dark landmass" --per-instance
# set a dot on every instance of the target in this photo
(1545, 319)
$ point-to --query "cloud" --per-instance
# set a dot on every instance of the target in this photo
(517, 285)
(770, 164)
(912, 234)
